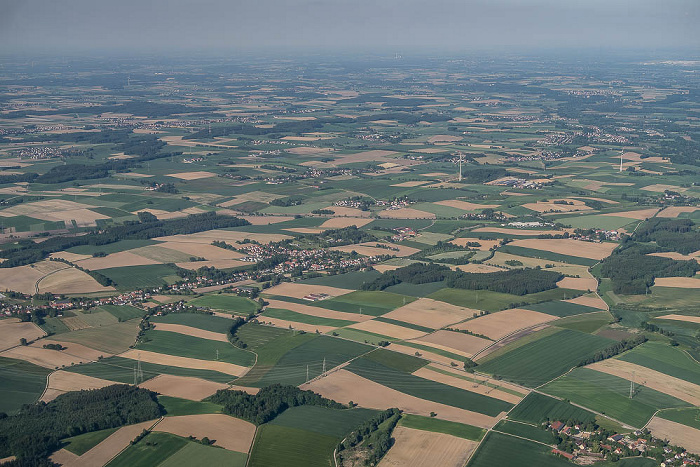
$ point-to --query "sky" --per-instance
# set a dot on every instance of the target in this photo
(52, 26)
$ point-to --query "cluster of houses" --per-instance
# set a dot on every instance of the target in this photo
(403, 233)
(522, 183)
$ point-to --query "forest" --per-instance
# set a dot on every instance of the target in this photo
(670, 234)
(515, 281)
(36, 431)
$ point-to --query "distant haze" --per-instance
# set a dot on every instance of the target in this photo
(404, 25)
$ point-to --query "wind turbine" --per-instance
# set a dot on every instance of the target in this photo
(621, 153)
(461, 159)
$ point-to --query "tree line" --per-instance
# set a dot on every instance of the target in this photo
(614, 349)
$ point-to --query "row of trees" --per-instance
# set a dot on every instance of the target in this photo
(614, 349)
(269, 402)
(373, 437)
(416, 273)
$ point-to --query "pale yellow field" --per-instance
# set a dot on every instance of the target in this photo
(674, 211)
(342, 222)
(70, 281)
(190, 331)
(75, 323)
(387, 329)
(343, 385)
(227, 236)
(61, 382)
(688, 319)
(230, 433)
(23, 278)
(444, 139)
(471, 386)
(508, 231)
(592, 300)
(183, 387)
(680, 282)
(467, 206)
(72, 257)
(286, 324)
(370, 249)
(115, 260)
(184, 362)
(12, 330)
(500, 324)
(578, 283)
(56, 210)
(416, 448)
(567, 246)
(210, 252)
(349, 212)
(430, 356)
(305, 230)
(455, 342)
(639, 215)
(676, 433)
(675, 387)
(162, 215)
(660, 188)
(677, 256)
(42, 357)
(430, 313)
(294, 290)
(76, 350)
(542, 206)
(192, 175)
(411, 183)
(266, 220)
(478, 268)
(405, 213)
(305, 151)
(317, 311)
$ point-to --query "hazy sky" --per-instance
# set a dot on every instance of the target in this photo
(454, 25)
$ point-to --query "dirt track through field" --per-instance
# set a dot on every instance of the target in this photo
(417, 448)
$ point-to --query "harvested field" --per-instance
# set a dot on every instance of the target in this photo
(444, 139)
(680, 282)
(343, 385)
(266, 220)
(578, 283)
(75, 323)
(305, 230)
(43, 357)
(317, 311)
(111, 446)
(115, 260)
(306, 151)
(61, 382)
(411, 183)
(12, 330)
(405, 213)
(660, 188)
(677, 256)
(72, 257)
(567, 246)
(542, 206)
(454, 381)
(464, 205)
(661, 382)
(205, 251)
(478, 268)
(192, 175)
(417, 448)
(190, 331)
(456, 342)
(498, 325)
(294, 290)
(675, 211)
(70, 281)
(184, 362)
(76, 350)
(431, 356)
(592, 300)
(56, 210)
(639, 215)
(370, 249)
(184, 387)
(386, 329)
(349, 212)
(430, 313)
(285, 324)
(23, 278)
(342, 222)
(226, 432)
(676, 433)
(485, 244)
(228, 236)
(688, 319)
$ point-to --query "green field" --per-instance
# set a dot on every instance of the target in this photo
(496, 301)
(121, 370)
(689, 417)
(54, 326)
(539, 361)
(198, 454)
(96, 318)
(665, 359)
(20, 383)
(109, 248)
(363, 336)
(396, 360)
(153, 449)
(548, 255)
(585, 323)
(350, 280)
(122, 313)
(597, 221)
(524, 430)
(196, 320)
(270, 350)
(436, 425)
(373, 303)
(277, 445)
(302, 318)
(173, 343)
(561, 309)
(114, 339)
(537, 408)
(228, 303)
(292, 367)
(609, 395)
(81, 444)
(426, 389)
(174, 406)
(404, 324)
(508, 451)
(139, 277)
(322, 420)
(257, 335)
